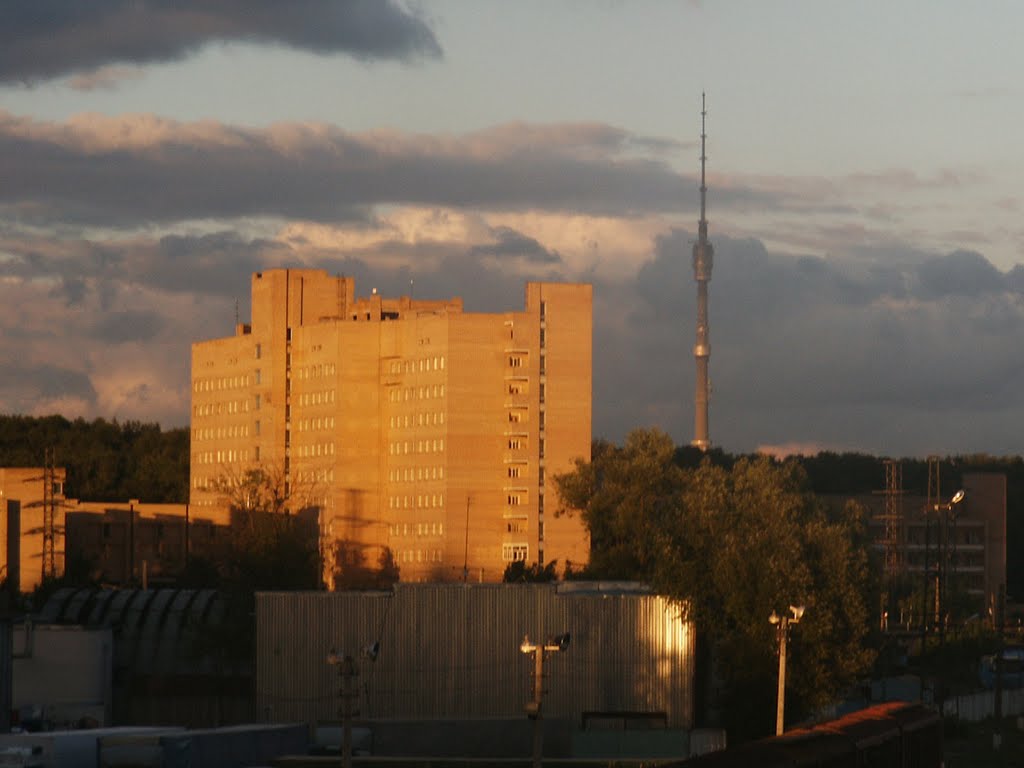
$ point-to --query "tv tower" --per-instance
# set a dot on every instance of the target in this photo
(703, 257)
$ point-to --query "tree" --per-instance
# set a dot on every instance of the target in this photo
(730, 545)
(518, 572)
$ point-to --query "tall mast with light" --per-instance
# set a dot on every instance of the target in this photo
(703, 258)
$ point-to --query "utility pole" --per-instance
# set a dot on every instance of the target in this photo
(533, 708)
(348, 672)
(465, 546)
(782, 624)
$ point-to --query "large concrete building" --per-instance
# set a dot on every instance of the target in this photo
(412, 426)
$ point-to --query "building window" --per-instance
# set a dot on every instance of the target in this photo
(516, 524)
(513, 470)
(256, 427)
(259, 351)
(511, 553)
(256, 376)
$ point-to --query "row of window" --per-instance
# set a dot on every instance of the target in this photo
(306, 372)
(315, 449)
(405, 394)
(408, 474)
(421, 501)
(309, 425)
(216, 409)
(515, 498)
(322, 397)
(419, 556)
(219, 457)
(412, 366)
(315, 476)
(417, 420)
(220, 433)
(221, 383)
(400, 447)
(416, 529)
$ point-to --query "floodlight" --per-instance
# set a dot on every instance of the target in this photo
(774, 618)
(958, 497)
(370, 651)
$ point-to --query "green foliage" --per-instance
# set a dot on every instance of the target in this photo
(105, 461)
(518, 572)
(731, 544)
(353, 571)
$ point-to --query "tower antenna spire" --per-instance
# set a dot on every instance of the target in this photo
(703, 258)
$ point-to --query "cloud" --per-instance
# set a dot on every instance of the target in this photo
(962, 273)
(128, 326)
(104, 78)
(123, 171)
(512, 244)
(887, 352)
(859, 352)
(42, 39)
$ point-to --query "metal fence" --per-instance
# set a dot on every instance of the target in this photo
(452, 651)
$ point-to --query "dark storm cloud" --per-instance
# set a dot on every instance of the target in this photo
(123, 171)
(48, 38)
(512, 244)
(915, 356)
(128, 326)
(49, 382)
(962, 273)
(217, 264)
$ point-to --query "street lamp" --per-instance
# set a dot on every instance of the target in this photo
(781, 624)
(945, 509)
(347, 672)
(554, 644)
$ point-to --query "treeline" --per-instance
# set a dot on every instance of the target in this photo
(105, 460)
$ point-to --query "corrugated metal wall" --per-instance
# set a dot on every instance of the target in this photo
(452, 651)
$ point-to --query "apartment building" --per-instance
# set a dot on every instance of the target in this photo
(413, 427)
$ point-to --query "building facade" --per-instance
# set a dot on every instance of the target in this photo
(132, 543)
(945, 549)
(414, 428)
(32, 534)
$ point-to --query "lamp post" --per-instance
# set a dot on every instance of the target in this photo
(347, 671)
(782, 624)
(945, 563)
(533, 708)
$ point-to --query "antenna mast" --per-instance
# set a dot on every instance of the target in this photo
(703, 257)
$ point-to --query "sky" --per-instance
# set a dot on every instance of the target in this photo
(864, 196)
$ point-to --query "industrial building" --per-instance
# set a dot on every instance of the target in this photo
(415, 429)
(942, 547)
(630, 656)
